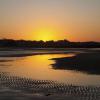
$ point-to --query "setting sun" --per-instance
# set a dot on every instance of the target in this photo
(74, 20)
(45, 34)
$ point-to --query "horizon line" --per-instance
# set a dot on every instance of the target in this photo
(46, 40)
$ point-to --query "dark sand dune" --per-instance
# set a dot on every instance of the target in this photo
(16, 88)
(85, 62)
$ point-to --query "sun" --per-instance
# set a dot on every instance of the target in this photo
(44, 34)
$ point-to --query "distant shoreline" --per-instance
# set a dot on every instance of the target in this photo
(9, 43)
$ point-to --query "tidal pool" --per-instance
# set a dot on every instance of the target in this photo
(39, 67)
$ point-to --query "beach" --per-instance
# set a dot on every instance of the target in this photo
(17, 85)
(17, 88)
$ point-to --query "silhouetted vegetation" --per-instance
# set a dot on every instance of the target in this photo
(47, 44)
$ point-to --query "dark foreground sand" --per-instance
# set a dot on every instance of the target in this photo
(12, 95)
(86, 62)
(16, 88)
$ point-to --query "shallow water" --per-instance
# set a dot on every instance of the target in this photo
(39, 67)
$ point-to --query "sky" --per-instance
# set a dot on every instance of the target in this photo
(75, 20)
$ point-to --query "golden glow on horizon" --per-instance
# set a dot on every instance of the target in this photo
(44, 34)
(75, 20)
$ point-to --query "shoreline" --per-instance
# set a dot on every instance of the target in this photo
(85, 62)
(29, 52)
(17, 88)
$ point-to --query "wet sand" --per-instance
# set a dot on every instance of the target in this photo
(17, 88)
(11, 52)
(23, 53)
(85, 62)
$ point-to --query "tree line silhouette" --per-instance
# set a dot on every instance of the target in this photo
(47, 44)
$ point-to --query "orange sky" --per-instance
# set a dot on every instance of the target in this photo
(75, 20)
